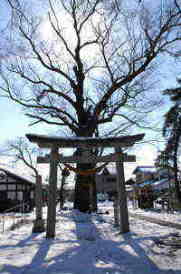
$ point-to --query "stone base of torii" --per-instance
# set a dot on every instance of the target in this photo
(86, 144)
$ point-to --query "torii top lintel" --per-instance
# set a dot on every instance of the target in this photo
(45, 141)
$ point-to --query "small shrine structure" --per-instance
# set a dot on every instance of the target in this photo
(86, 144)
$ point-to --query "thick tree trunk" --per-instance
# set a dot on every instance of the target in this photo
(82, 200)
(82, 185)
(82, 194)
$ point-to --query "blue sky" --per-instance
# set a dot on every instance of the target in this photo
(14, 123)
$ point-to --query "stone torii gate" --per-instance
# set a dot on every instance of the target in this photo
(86, 144)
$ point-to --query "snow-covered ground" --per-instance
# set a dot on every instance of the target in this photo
(165, 216)
(157, 213)
(86, 244)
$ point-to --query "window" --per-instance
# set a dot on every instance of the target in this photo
(111, 180)
(3, 187)
(19, 186)
(20, 195)
(11, 187)
(32, 194)
(12, 195)
(27, 187)
(3, 195)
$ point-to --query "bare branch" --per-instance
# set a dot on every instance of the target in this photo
(22, 151)
(42, 61)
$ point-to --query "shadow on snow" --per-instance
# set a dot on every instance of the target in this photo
(90, 254)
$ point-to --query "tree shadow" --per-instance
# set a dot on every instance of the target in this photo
(91, 253)
(114, 253)
(22, 243)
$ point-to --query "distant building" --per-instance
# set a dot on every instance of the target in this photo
(144, 173)
(106, 181)
(15, 190)
(151, 183)
(158, 179)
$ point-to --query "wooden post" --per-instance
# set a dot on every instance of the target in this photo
(116, 214)
(38, 225)
(52, 193)
(61, 192)
(91, 196)
(39, 197)
(122, 199)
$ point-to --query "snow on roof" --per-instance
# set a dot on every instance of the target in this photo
(17, 176)
(129, 188)
(46, 141)
(161, 184)
(146, 183)
(108, 170)
(148, 169)
(156, 185)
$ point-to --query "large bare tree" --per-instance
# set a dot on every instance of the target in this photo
(88, 66)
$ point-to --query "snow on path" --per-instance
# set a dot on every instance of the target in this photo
(88, 245)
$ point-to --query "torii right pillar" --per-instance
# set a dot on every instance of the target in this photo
(121, 194)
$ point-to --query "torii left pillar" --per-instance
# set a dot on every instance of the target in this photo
(52, 192)
(38, 224)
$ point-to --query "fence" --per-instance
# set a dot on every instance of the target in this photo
(18, 218)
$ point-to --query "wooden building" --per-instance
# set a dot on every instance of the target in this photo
(151, 183)
(106, 182)
(15, 190)
(144, 173)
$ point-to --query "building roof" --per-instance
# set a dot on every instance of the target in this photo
(130, 181)
(45, 141)
(144, 169)
(156, 185)
(161, 184)
(146, 183)
(105, 171)
(108, 170)
(15, 176)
